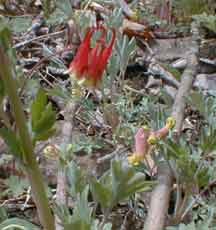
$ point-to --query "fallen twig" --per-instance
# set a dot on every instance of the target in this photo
(156, 69)
(23, 43)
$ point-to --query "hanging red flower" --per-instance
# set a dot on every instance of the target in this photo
(89, 63)
(79, 64)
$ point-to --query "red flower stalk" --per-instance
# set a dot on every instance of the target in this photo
(89, 63)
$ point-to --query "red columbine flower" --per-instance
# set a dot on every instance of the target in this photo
(98, 58)
(89, 63)
(79, 64)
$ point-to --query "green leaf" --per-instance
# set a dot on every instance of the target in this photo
(126, 181)
(203, 177)
(63, 212)
(44, 135)
(12, 142)
(78, 225)
(46, 120)
(175, 151)
(82, 210)
(3, 214)
(47, 52)
(6, 40)
(5, 35)
(101, 193)
(81, 218)
(107, 226)
(208, 140)
(57, 17)
(59, 91)
(20, 24)
(46, 7)
(2, 90)
(16, 186)
(16, 223)
(125, 48)
(96, 225)
(38, 106)
(205, 105)
(43, 117)
(75, 178)
(65, 6)
(207, 21)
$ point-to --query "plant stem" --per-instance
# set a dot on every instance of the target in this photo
(29, 159)
(105, 218)
(179, 197)
(183, 206)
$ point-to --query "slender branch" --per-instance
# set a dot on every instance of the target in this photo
(183, 204)
(21, 44)
(32, 169)
(178, 198)
(67, 135)
(160, 199)
(161, 195)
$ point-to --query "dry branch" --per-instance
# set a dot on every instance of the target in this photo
(67, 135)
(136, 29)
(161, 194)
(160, 199)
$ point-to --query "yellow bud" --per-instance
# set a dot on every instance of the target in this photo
(145, 128)
(76, 89)
(51, 151)
(170, 122)
(152, 140)
(135, 15)
(135, 159)
(76, 92)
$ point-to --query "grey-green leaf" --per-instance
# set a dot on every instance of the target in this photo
(12, 141)
(101, 193)
(16, 223)
(75, 178)
(38, 106)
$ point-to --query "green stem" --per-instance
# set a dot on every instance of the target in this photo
(46, 8)
(179, 197)
(32, 169)
(105, 218)
(182, 206)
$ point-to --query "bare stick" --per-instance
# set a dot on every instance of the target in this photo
(67, 135)
(161, 194)
(160, 199)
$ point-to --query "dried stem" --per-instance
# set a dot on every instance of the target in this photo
(161, 195)
(67, 135)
